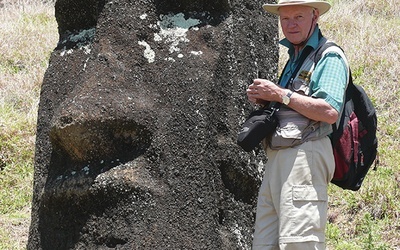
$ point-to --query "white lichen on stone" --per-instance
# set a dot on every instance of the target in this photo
(196, 53)
(66, 52)
(169, 59)
(174, 28)
(149, 54)
(85, 64)
(237, 230)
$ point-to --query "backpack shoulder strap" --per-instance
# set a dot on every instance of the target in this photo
(318, 55)
(323, 48)
(332, 46)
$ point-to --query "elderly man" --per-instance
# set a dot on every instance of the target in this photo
(292, 201)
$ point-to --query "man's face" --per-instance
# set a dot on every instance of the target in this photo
(296, 22)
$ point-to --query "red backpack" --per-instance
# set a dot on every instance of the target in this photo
(354, 138)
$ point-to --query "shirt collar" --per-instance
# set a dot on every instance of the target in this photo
(313, 41)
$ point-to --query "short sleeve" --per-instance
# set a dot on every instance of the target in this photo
(329, 80)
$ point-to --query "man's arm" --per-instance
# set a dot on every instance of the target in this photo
(312, 108)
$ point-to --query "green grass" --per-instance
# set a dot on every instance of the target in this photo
(366, 29)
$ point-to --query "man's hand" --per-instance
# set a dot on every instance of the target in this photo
(262, 91)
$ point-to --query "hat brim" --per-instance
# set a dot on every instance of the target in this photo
(323, 7)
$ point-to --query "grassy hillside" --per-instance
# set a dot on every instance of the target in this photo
(368, 30)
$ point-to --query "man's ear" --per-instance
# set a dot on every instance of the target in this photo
(315, 15)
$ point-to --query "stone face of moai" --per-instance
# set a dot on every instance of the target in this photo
(137, 124)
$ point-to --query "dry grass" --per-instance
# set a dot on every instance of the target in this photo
(28, 33)
(16, 229)
(366, 29)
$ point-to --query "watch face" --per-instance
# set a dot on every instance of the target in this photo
(286, 100)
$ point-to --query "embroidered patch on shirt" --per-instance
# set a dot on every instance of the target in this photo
(302, 82)
(305, 75)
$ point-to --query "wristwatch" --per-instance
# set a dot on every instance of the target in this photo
(286, 98)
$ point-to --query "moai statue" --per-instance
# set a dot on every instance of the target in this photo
(138, 117)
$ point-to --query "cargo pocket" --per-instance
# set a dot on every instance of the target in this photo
(309, 211)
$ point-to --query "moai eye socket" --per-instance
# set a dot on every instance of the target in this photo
(212, 6)
(77, 15)
(208, 12)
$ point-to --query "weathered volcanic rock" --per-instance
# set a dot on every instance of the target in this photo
(138, 116)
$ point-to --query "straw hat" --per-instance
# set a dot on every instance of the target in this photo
(322, 6)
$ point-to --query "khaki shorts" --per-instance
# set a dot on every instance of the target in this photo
(292, 201)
